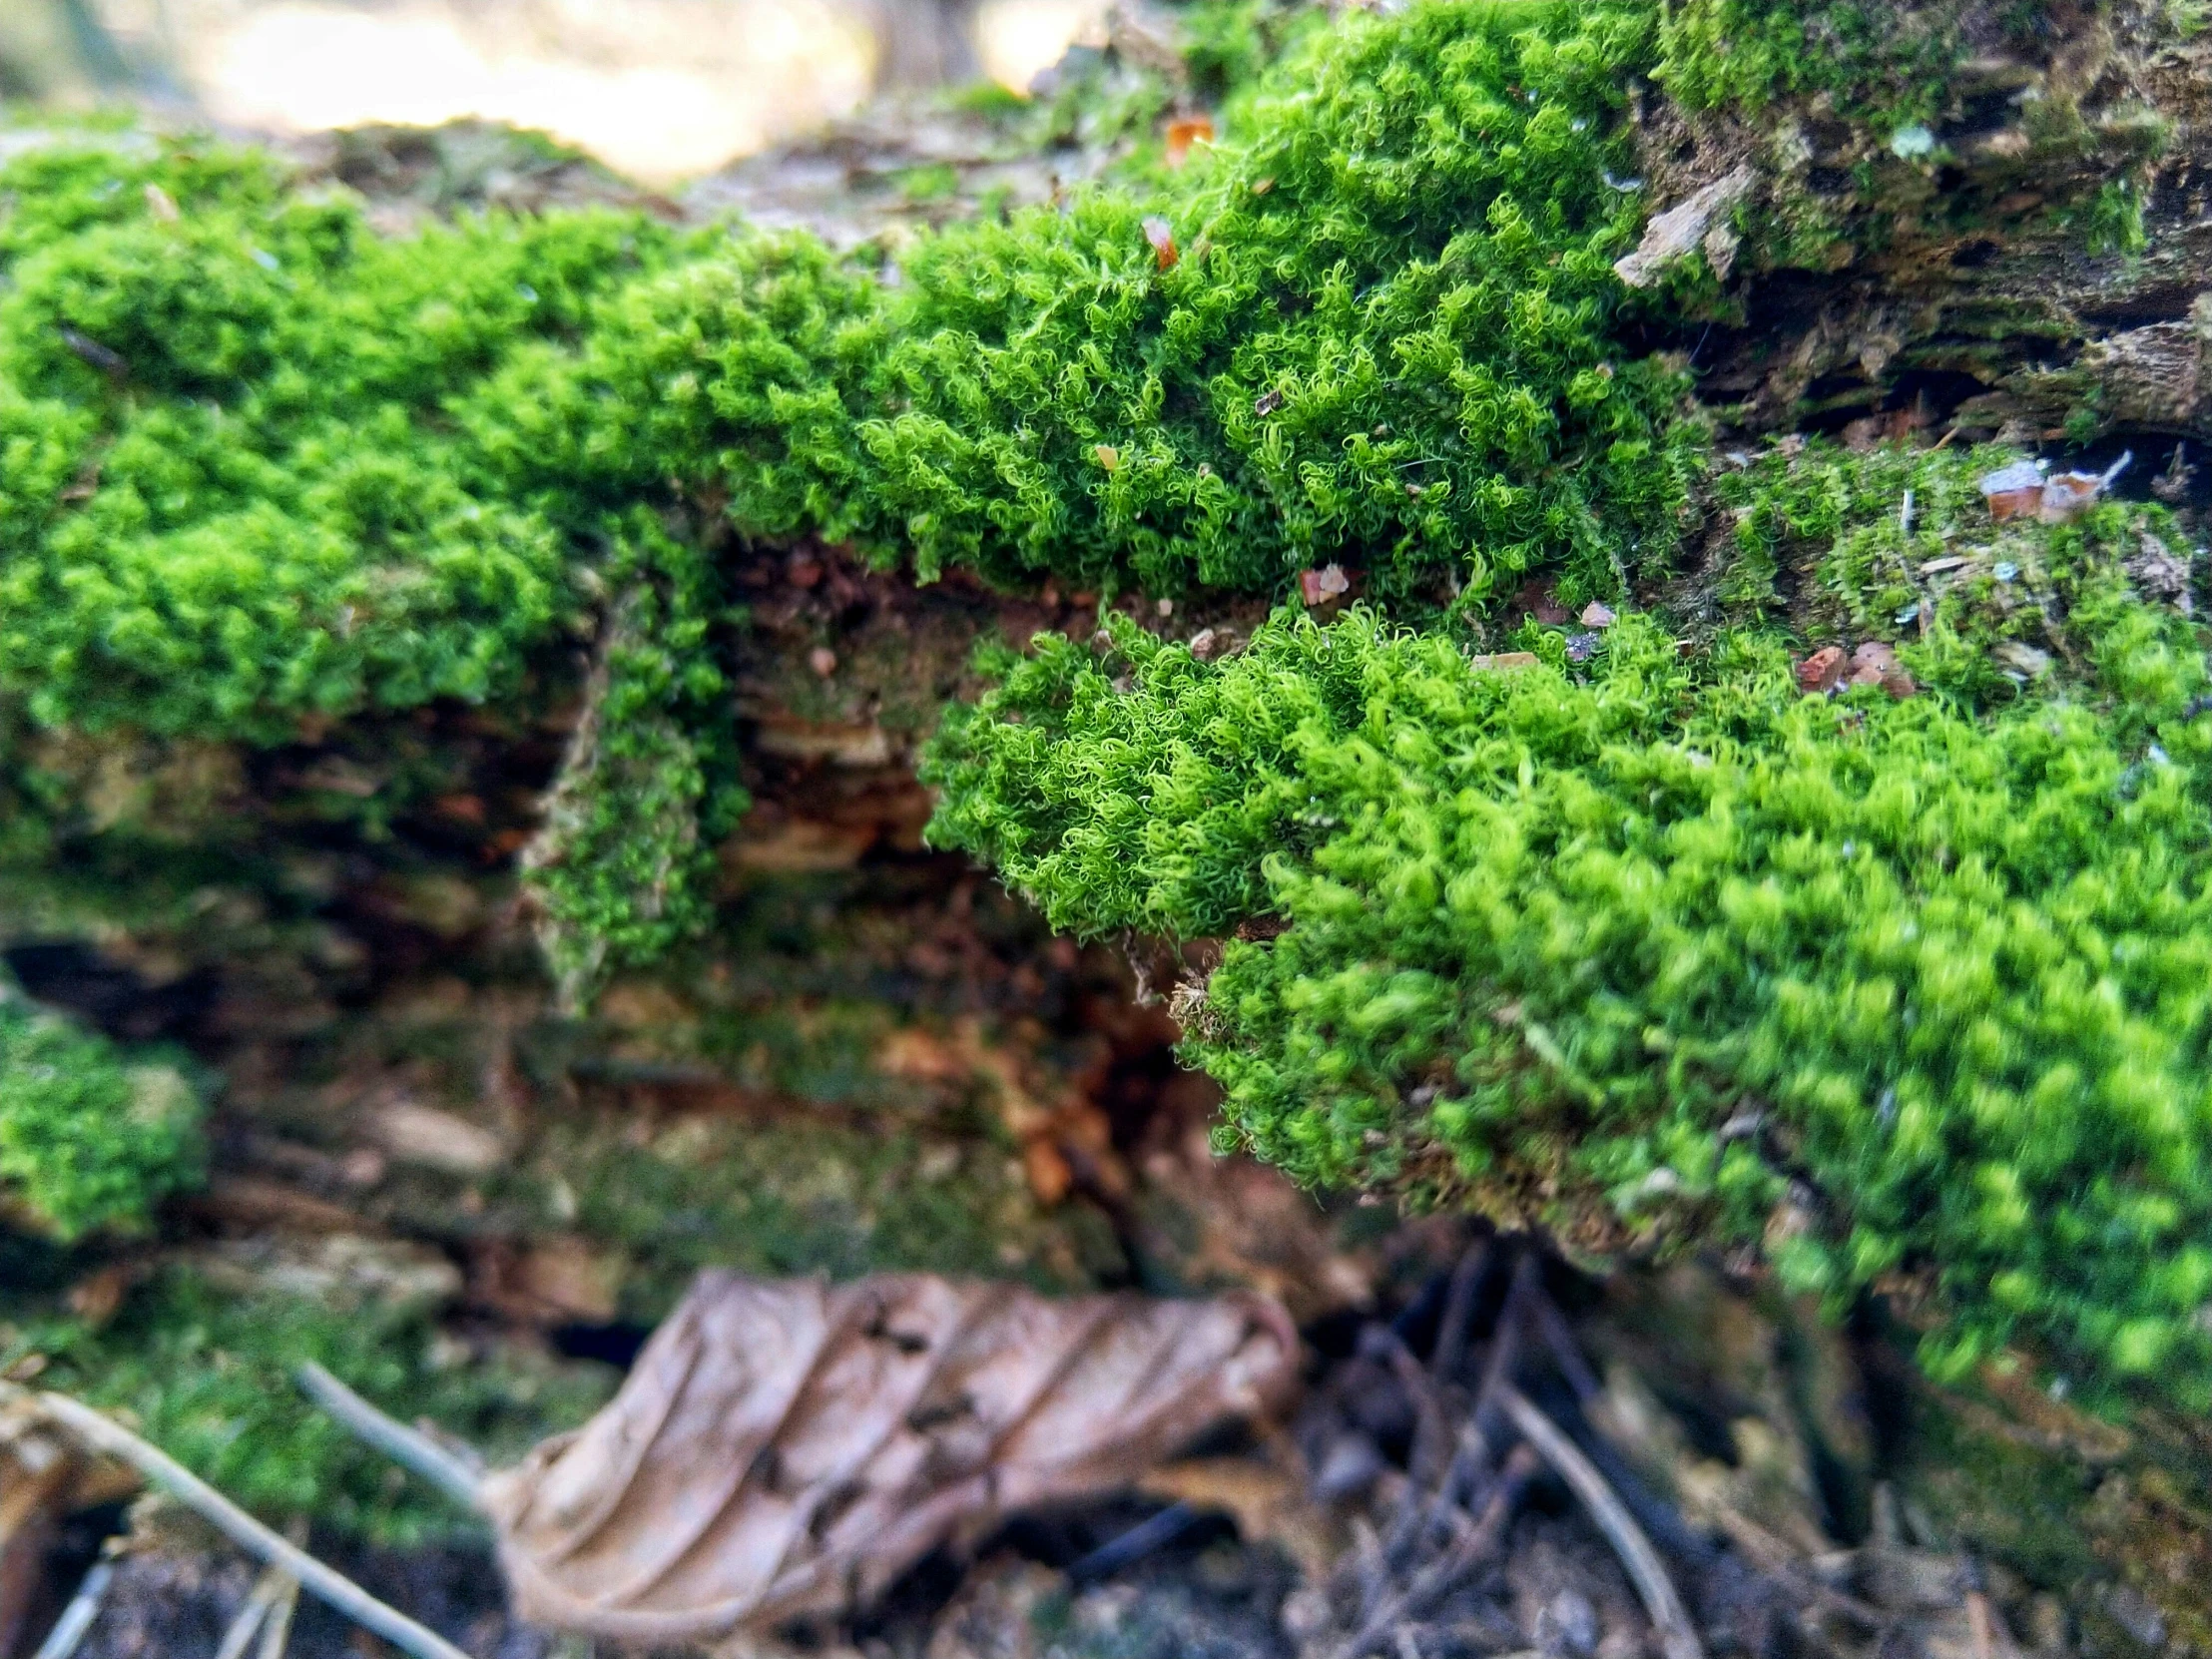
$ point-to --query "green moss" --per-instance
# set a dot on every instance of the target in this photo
(1981, 611)
(1549, 933)
(624, 866)
(1633, 950)
(2113, 221)
(805, 1195)
(207, 1377)
(1886, 58)
(89, 1137)
(1382, 340)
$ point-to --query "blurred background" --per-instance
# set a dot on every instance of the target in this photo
(660, 89)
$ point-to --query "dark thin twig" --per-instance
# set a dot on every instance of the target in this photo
(1451, 1350)
(1439, 1576)
(1430, 1437)
(1469, 1460)
(1499, 1364)
(1566, 1353)
(1152, 1533)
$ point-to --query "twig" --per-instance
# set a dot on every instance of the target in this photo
(247, 1624)
(1677, 1638)
(1451, 1350)
(1472, 1455)
(1977, 1620)
(273, 1586)
(244, 1530)
(1125, 1549)
(1374, 1571)
(409, 1447)
(1564, 1353)
(1440, 1576)
(277, 1628)
(69, 1630)
(1505, 1338)
(1428, 1463)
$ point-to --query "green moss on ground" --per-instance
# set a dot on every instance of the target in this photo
(207, 1374)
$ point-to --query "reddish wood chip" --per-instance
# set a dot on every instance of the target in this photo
(790, 1447)
(1185, 131)
(1158, 232)
(1822, 671)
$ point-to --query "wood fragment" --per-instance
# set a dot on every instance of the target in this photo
(1677, 1637)
(70, 1629)
(327, 1584)
(1451, 1351)
(276, 1628)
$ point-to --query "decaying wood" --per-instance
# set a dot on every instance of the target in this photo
(33, 1479)
(788, 1449)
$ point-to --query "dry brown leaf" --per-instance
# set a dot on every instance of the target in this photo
(789, 1447)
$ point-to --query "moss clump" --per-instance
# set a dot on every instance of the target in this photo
(207, 1377)
(1662, 947)
(1871, 58)
(237, 499)
(1376, 332)
(89, 1138)
(1382, 339)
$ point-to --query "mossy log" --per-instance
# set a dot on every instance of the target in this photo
(465, 669)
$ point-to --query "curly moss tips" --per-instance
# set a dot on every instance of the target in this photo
(1632, 953)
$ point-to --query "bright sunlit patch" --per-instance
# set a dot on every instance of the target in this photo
(1021, 39)
(656, 114)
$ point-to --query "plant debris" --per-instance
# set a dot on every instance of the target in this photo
(2022, 491)
(787, 1447)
